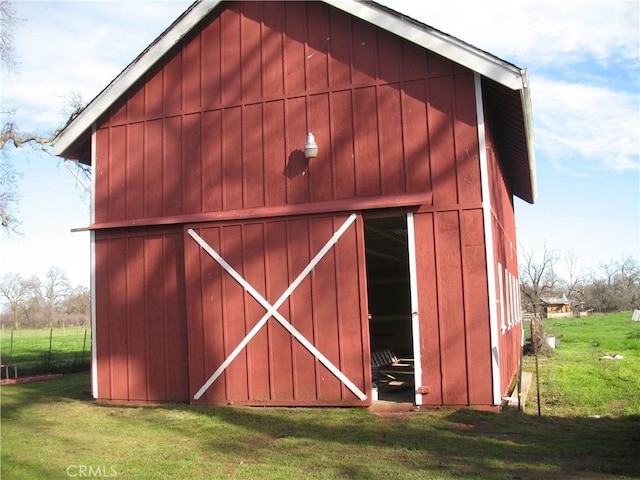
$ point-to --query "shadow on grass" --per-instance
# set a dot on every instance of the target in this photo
(354, 443)
(465, 441)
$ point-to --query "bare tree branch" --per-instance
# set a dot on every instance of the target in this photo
(10, 134)
(8, 22)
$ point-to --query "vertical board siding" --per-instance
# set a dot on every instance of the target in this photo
(442, 141)
(153, 172)
(274, 368)
(253, 173)
(257, 357)
(304, 373)
(476, 306)
(135, 173)
(118, 330)
(233, 102)
(297, 180)
(454, 316)
(317, 74)
(428, 300)
(466, 141)
(272, 47)
(103, 353)
(274, 151)
(141, 341)
(321, 188)
(392, 171)
(173, 182)
(155, 313)
(173, 296)
(282, 346)
(192, 169)
(365, 135)
(211, 162)
(211, 65)
(117, 171)
(137, 353)
(415, 143)
(191, 84)
(343, 152)
(451, 309)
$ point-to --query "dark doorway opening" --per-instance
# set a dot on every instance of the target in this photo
(389, 292)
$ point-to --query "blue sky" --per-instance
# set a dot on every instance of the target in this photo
(583, 62)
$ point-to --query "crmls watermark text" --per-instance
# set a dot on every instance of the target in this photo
(91, 471)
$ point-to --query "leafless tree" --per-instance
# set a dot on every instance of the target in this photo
(22, 296)
(14, 291)
(32, 302)
(9, 197)
(537, 276)
(54, 288)
(78, 301)
(574, 280)
(8, 22)
(617, 288)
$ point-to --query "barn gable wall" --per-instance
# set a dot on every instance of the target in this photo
(219, 125)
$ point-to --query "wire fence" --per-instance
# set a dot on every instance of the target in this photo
(38, 351)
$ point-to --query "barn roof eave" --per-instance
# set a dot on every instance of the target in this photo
(434, 40)
(525, 95)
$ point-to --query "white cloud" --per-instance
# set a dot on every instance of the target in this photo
(584, 128)
(536, 32)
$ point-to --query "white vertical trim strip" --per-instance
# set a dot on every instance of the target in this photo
(415, 311)
(512, 301)
(500, 300)
(488, 238)
(272, 310)
(92, 280)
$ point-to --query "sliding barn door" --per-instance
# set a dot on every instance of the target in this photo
(277, 312)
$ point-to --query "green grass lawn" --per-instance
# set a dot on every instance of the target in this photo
(54, 430)
(576, 381)
(45, 350)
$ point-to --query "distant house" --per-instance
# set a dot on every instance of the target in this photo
(558, 307)
(282, 189)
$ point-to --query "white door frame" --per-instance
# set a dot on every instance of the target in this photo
(415, 311)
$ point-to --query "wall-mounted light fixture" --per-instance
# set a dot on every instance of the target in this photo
(310, 147)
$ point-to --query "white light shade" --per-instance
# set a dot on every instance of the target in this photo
(310, 147)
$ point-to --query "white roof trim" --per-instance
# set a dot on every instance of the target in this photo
(132, 74)
(449, 47)
(525, 99)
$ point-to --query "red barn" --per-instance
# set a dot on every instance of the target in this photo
(234, 264)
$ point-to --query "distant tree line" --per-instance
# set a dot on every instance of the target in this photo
(612, 287)
(48, 302)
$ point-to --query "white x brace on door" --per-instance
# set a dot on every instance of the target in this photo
(272, 311)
